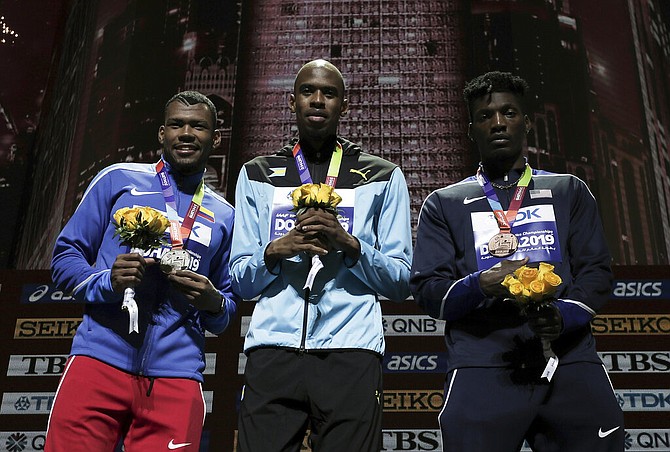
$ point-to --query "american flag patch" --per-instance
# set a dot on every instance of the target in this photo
(542, 193)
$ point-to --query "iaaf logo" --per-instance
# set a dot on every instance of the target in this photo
(644, 399)
(415, 362)
(641, 289)
(638, 361)
(22, 441)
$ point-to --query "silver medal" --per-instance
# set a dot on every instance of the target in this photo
(173, 260)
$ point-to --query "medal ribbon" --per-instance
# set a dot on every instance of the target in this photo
(505, 219)
(333, 166)
(179, 234)
(306, 178)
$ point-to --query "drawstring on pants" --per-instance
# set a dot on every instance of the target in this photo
(151, 386)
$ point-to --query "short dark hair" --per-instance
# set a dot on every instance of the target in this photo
(494, 82)
(194, 98)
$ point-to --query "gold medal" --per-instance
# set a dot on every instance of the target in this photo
(503, 244)
(173, 260)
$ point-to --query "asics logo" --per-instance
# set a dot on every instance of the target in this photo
(602, 434)
(135, 192)
(471, 200)
(172, 445)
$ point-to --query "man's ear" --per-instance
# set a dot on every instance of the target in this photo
(291, 103)
(161, 134)
(217, 138)
(527, 122)
(345, 107)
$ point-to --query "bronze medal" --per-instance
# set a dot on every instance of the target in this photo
(503, 244)
(173, 260)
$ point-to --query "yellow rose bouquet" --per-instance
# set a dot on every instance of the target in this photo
(140, 228)
(533, 288)
(528, 285)
(317, 196)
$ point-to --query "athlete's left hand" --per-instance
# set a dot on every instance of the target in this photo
(319, 221)
(198, 290)
(545, 321)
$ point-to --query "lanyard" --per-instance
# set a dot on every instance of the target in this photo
(505, 219)
(333, 166)
(179, 234)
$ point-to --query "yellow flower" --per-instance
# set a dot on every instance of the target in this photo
(158, 223)
(552, 281)
(140, 227)
(532, 284)
(526, 274)
(544, 268)
(517, 290)
(127, 215)
(315, 195)
(536, 289)
(509, 280)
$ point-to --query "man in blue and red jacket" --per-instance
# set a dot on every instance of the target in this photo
(144, 386)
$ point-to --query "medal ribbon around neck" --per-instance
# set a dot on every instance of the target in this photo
(177, 238)
(333, 166)
(505, 219)
(306, 178)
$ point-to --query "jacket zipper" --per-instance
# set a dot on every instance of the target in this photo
(303, 339)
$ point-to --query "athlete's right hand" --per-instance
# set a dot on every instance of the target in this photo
(294, 243)
(128, 271)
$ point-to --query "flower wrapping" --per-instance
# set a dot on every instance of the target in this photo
(532, 288)
(317, 196)
(140, 228)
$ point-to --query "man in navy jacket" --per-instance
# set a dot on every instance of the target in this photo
(504, 383)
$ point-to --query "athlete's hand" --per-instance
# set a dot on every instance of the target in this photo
(545, 321)
(325, 224)
(294, 243)
(128, 271)
(198, 290)
(490, 281)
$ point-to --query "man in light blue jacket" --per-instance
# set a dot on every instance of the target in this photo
(314, 353)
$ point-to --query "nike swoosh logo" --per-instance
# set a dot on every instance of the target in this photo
(135, 192)
(602, 434)
(173, 446)
(471, 200)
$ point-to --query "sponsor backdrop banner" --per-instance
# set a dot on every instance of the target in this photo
(632, 334)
